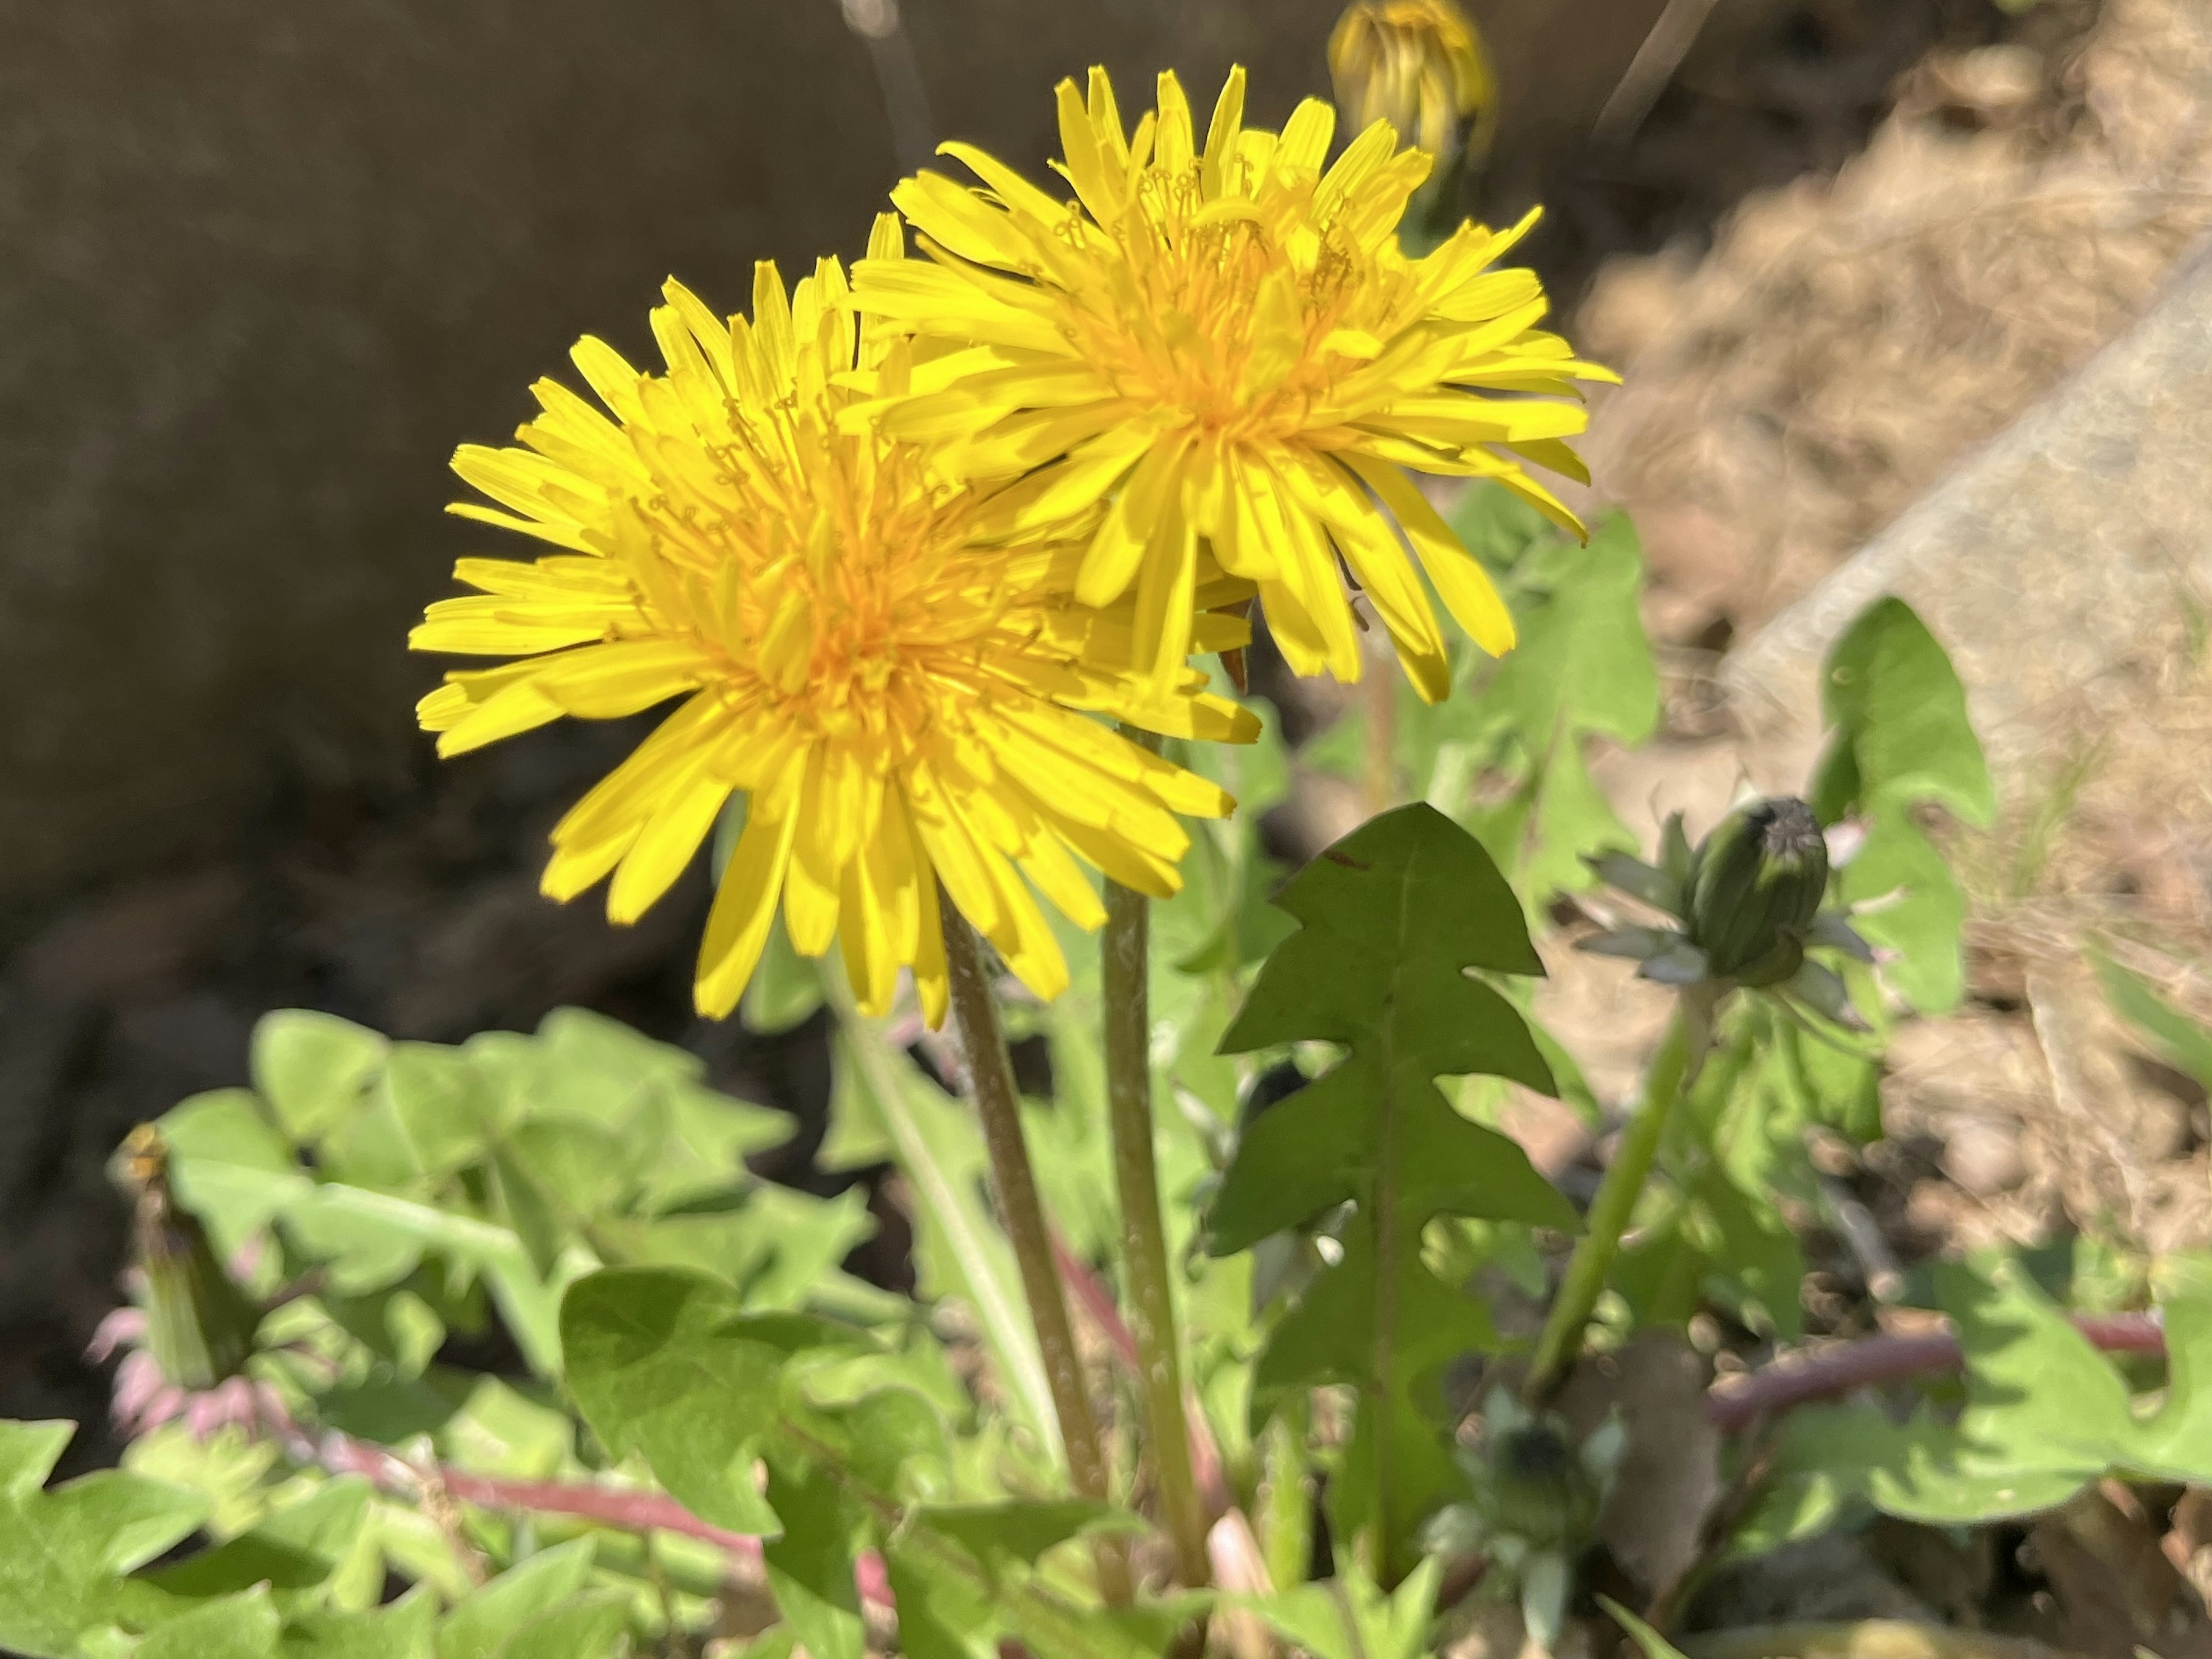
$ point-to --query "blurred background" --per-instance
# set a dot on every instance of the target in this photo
(265, 267)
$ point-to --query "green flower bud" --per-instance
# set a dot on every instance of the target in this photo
(1760, 880)
(199, 1325)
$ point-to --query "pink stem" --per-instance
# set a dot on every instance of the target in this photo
(1822, 1374)
(612, 1506)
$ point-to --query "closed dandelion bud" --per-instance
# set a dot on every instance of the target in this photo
(199, 1325)
(1419, 64)
(1760, 880)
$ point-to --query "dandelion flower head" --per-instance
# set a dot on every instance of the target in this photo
(1229, 341)
(1419, 64)
(901, 693)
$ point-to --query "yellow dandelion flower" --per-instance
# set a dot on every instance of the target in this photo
(900, 703)
(1231, 341)
(1419, 64)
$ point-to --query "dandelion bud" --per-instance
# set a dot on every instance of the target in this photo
(1760, 880)
(199, 1324)
(1420, 65)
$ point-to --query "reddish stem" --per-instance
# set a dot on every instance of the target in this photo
(612, 1506)
(1800, 1379)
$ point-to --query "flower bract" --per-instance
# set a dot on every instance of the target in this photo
(898, 685)
(1225, 338)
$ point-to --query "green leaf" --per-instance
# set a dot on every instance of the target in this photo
(29, 1452)
(230, 1165)
(1348, 1617)
(960, 1251)
(401, 1631)
(297, 1548)
(1394, 916)
(810, 1566)
(241, 1626)
(377, 1237)
(1922, 910)
(1023, 1529)
(484, 1625)
(942, 1615)
(1891, 694)
(63, 1553)
(314, 1068)
(1900, 740)
(441, 1102)
(2046, 1415)
(591, 1625)
(1582, 664)
(1648, 1641)
(2179, 1040)
(1497, 526)
(785, 988)
(666, 1361)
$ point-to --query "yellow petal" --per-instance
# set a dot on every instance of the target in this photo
(736, 927)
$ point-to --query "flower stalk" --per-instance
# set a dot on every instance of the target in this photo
(1126, 950)
(998, 1106)
(1675, 1068)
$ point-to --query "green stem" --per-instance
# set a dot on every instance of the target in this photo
(1286, 1498)
(998, 1106)
(1673, 1069)
(1144, 1238)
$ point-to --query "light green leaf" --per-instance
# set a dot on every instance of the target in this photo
(241, 1626)
(298, 1548)
(64, 1552)
(1648, 1641)
(483, 1627)
(1347, 1617)
(1891, 694)
(231, 1166)
(2179, 1040)
(314, 1068)
(1899, 738)
(401, 1630)
(664, 1362)
(1023, 1529)
(960, 1251)
(441, 1102)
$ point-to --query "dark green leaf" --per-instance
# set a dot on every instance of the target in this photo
(1393, 917)
(810, 1566)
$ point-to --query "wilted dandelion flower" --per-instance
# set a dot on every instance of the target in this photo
(898, 700)
(1231, 341)
(1420, 65)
